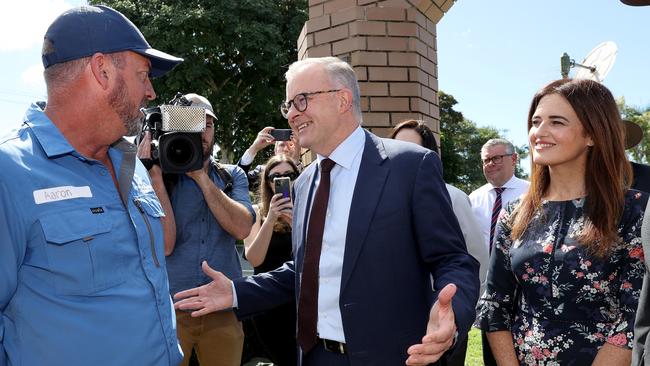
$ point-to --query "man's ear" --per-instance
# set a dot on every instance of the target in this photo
(101, 69)
(345, 99)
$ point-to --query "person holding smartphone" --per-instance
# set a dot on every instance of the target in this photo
(267, 247)
(284, 143)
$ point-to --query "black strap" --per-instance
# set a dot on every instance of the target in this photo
(126, 169)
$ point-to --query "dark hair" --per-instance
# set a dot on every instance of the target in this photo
(428, 139)
(607, 171)
(265, 191)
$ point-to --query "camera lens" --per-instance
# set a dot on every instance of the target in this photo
(179, 151)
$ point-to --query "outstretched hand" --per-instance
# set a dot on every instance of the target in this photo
(441, 330)
(214, 296)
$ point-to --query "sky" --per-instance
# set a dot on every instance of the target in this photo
(492, 55)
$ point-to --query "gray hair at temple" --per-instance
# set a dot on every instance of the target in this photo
(510, 149)
(341, 74)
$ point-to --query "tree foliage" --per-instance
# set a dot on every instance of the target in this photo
(460, 142)
(236, 53)
(641, 116)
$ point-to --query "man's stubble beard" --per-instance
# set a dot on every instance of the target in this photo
(129, 114)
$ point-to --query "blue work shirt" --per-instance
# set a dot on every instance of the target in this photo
(199, 237)
(82, 278)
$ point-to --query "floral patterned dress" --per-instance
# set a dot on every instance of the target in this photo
(561, 303)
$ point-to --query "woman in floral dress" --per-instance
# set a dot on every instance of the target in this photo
(567, 266)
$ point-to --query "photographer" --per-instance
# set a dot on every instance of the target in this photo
(212, 210)
(289, 147)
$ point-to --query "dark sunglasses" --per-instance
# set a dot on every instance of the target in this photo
(291, 175)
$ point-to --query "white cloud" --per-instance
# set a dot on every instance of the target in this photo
(23, 23)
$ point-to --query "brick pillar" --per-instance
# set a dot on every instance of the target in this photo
(392, 46)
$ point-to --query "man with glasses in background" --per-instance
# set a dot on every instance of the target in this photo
(499, 160)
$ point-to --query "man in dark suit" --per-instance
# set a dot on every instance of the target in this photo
(372, 226)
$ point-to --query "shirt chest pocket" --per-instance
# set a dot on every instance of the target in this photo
(82, 258)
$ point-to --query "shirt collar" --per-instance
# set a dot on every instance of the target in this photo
(48, 135)
(509, 184)
(347, 150)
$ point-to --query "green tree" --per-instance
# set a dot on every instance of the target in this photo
(641, 116)
(235, 55)
(460, 142)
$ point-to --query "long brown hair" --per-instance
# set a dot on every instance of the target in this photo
(266, 192)
(607, 173)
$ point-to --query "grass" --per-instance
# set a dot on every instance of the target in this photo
(474, 356)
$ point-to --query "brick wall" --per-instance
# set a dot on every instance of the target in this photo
(392, 46)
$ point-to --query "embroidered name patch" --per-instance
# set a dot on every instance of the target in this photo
(61, 193)
(96, 210)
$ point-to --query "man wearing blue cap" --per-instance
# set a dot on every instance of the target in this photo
(82, 268)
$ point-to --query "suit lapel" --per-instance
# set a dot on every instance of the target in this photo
(301, 214)
(367, 192)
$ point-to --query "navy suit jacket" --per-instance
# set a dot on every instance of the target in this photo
(401, 232)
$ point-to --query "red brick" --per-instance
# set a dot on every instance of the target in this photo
(395, 4)
(419, 105)
(411, 89)
(336, 5)
(402, 29)
(399, 117)
(365, 104)
(435, 112)
(376, 119)
(433, 84)
(378, 13)
(368, 28)
(415, 15)
(381, 131)
(374, 89)
(332, 34)
(362, 73)
(447, 5)
(366, 2)
(403, 59)
(425, 36)
(388, 43)
(349, 45)
(316, 24)
(320, 51)
(431, 27)
(388, 73)
(428, 94)
(427, 66)
(347, 15)
(316, 11)
(434, 14)
(417, 46)
(415, 74)
(369, 58)
(314, 2)
(381, 104)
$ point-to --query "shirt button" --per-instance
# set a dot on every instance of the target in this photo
(103, 172)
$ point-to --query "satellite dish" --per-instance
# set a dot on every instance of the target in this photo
(596, 64)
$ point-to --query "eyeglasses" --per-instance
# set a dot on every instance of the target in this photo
(300, 101)
(497, 159)
(290, 175)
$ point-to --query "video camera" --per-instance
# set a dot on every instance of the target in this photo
(176, 129)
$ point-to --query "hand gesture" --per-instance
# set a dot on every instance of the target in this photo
(263, 139)
(441, 330)
(214, 296)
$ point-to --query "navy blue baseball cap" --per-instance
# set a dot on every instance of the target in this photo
(85, 30)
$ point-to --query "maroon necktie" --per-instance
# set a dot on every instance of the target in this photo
(495, 213)
(308, 301)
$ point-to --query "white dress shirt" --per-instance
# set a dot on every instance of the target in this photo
(483, 198)
(343, 179)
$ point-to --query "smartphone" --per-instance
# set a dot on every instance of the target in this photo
(283, 185)
(281, 134)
